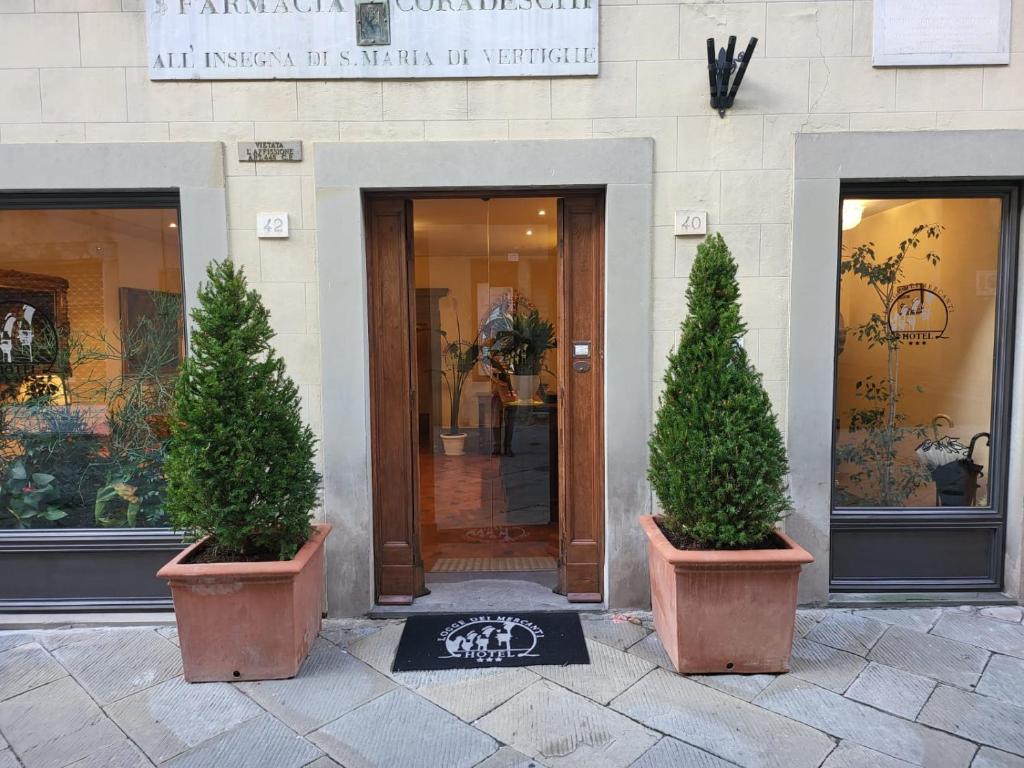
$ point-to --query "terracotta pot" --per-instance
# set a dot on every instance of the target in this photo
(724, 611)
(248, 621)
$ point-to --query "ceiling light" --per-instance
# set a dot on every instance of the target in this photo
(173, 225)
(542, 212)
(853, 210)
(529, 232)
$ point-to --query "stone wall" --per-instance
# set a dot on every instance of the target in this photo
(75, 71)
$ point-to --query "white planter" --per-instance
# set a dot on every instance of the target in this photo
(525, 387)
(454, 445)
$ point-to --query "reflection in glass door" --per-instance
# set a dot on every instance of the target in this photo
(922, 389)
(487, 309)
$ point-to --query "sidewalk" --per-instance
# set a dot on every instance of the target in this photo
(868, 689)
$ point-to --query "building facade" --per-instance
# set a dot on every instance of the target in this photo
(428, 215)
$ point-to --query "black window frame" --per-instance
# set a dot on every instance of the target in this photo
(935, 518)
(130, 555)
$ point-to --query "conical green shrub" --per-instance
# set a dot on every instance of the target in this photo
(240, 461)
(718, 462)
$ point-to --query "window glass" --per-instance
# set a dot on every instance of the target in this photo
(91, 336)
(917, 321)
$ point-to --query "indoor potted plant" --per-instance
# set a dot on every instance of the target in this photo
(723, 578)
(527, 339)
(459, 358)
(248, 594)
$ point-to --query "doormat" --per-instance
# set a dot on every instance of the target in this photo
(473, 641)
(470, 564)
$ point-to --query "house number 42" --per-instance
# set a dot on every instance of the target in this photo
(272, 225)
(691, 223)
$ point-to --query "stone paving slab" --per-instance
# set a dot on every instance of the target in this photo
(55, 725)
(329, 684)
(650, 649)
(471, 693)
(324, 762)
(1004, 679)
(122, 754)
(1011, 613)
(824, 665)
(992, 758)
(563, 729)
(976, 717)
(854, 634)
(344, 632)
(467, 693)
(506, 757)
(113, 664)
(428, 736)
(890, 689)
(10, 640)
(263, 742)
(860, 724)
(608, 674)
(619, 634)
(672, 753)
(921, 619)
(722, 724)
(25, 667)
(992, 634)
(939, 658)
(8, 760)
(173, 716)
(744, 687)
(849, 755)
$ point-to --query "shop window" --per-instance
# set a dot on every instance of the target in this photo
(91, 336)
(917, 352)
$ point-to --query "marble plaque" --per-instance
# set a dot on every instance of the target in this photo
(920, 33)
(331, 39)
(269, 151)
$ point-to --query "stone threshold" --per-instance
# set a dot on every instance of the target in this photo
(915, 599)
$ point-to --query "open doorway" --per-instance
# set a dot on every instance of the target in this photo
(486, 328)
(487, 304)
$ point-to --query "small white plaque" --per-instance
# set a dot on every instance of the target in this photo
(580, 349)
(271, 225)
(691, 223)
(916, 33)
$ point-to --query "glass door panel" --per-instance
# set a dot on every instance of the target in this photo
(487, 308)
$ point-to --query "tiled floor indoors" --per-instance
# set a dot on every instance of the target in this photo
(868, 689)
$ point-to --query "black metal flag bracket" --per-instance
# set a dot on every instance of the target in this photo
(722, 67)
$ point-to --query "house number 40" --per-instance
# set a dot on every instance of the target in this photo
(272, 225)
(691, 223)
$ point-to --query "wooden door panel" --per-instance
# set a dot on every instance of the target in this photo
(398, 565)
(581, 471)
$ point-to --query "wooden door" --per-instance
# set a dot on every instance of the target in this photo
(393, 408)
(393, 417)
(581, 397)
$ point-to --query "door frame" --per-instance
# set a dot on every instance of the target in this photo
(824, 162)
(191, 174)
(987, 525)
(398, 564)
(343, 172)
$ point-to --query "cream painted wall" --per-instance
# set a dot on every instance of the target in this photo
(74, 71)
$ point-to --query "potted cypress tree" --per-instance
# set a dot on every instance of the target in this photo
(240, 471)
(723, 578)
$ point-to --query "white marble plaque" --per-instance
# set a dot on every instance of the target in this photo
(920, 33)
(327, 39)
